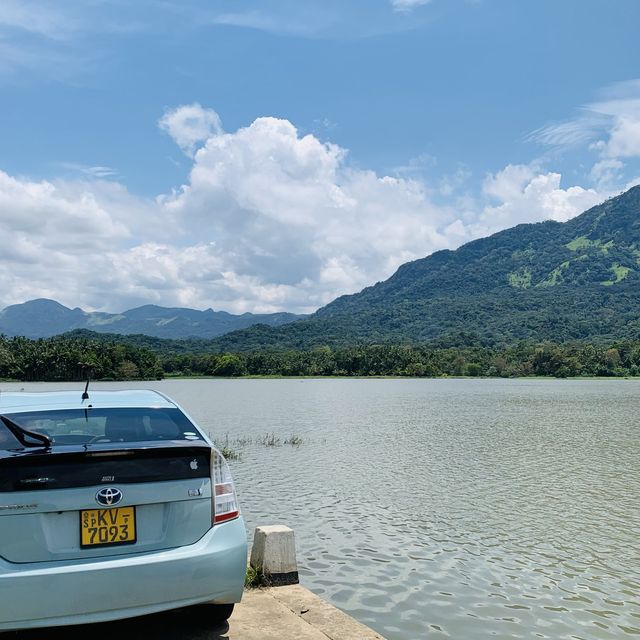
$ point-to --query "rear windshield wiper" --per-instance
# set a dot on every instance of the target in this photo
(22, 434)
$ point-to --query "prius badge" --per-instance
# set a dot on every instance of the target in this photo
(109, 496)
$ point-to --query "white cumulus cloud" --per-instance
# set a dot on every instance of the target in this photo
(624, 137)
(190, 125)
(607, 174)
(286, 209)
(269, 219)
(524, 194)
(55, 234)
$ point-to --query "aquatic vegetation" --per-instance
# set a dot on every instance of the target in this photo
(270, 440)
(226, 450)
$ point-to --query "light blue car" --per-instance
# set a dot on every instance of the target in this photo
(112, 506)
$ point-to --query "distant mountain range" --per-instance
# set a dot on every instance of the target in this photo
(577, 280)
(43, 318)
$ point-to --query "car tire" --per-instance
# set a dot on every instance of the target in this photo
(214, 613)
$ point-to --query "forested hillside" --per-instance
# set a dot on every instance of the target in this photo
(578, 280)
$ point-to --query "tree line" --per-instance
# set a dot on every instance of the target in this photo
(61, 359)
(523, 359)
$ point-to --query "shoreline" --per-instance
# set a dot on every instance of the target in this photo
(331, 377)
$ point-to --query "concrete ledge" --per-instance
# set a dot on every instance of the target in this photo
(292, 613)
(335, 624)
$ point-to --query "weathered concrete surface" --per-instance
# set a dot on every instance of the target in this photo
(279, 613)
(291, 612)
(319, 614)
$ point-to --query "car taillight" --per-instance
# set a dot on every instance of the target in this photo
(224, 503)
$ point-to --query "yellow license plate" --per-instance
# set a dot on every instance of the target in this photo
(101, 527)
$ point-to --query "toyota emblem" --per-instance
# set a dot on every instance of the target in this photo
(109, 496)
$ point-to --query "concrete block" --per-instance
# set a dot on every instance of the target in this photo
(274, 554)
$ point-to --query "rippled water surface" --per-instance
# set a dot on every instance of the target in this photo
(446, 508)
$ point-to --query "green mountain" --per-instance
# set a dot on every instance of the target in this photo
(578, 280)
(43, 318)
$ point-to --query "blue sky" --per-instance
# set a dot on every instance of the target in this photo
(262, 156)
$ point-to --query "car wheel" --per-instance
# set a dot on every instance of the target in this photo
(214, 612)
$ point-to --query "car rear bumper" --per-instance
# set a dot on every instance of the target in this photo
(62, 593)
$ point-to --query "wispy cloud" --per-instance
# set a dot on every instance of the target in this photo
(96, 172)
(42, 37)
(610, 125)
(584, 129)
(20, 60)
(56, 38)
(36, 17)
(264, 21)
(318, 19)
(407, 5)
(416, 166)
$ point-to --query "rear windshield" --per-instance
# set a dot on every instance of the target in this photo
(7, 439)
(94, 426)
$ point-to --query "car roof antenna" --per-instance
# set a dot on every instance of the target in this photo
(85, 394)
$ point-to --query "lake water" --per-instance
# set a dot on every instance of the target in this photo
(464, 509)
